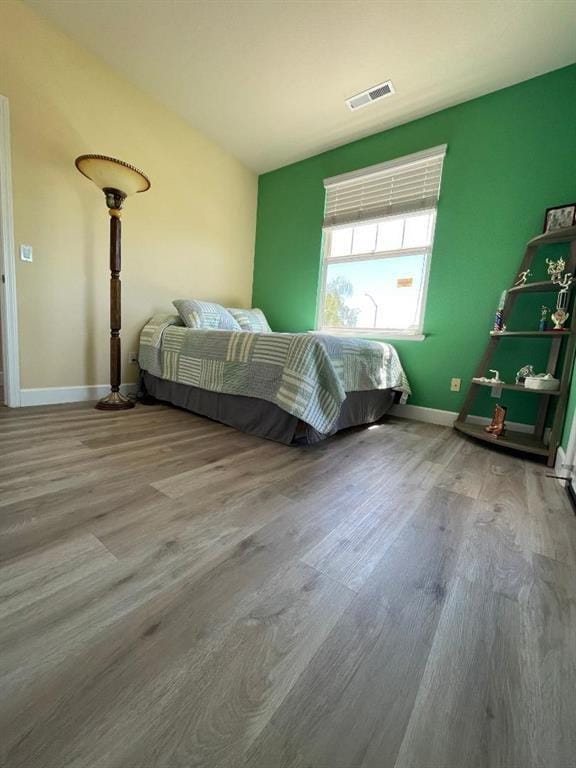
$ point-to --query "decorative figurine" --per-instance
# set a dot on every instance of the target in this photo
(495, 381)
(522, 277)
(556, 269)
(543, 324)
(499, 318)
(498, 426)
(526, 370)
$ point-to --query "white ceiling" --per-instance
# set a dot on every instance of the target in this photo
(267, 79)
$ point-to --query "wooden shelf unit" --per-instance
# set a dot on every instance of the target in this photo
(544, 334)
(564, 340)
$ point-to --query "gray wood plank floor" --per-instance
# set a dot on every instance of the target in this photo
(176, 594)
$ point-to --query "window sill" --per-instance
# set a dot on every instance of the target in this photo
(375, 335)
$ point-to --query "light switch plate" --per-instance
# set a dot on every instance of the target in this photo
(25, 253)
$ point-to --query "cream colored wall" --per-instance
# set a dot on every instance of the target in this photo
(192, 234)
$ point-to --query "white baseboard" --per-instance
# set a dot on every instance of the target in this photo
(57, 395)
(561, 470)
(429, 415)
(559, 463)
(447, 418)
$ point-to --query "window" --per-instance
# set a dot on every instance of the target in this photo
(378, 237)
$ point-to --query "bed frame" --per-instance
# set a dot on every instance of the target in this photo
(261, 418)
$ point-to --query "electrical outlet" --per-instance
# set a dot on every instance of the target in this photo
(133, 357)
(455, 385)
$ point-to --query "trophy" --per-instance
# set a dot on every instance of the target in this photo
(499, 318)
(556, 269)
(563, 280)
(543, 324)
(561, 314)
(557, 275)
(559, 317)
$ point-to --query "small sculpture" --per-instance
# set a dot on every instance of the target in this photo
(543, 324)
(498, 426)
(526, 370)
(522, 277)
(494, 381)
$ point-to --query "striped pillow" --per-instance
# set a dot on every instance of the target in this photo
(205, 315)
(251, 320)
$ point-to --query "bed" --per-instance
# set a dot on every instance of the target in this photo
(287, 387)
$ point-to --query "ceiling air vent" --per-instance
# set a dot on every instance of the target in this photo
(372, 94)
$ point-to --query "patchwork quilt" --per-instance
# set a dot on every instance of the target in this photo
(305, 374)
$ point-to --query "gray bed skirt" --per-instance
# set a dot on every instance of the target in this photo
(264, 419)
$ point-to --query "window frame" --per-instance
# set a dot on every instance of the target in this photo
(414, 333)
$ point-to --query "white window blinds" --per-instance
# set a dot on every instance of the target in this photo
(405, 185)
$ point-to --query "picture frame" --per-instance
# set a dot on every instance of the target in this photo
(560, 217)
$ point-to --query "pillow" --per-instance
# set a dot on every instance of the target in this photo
(205, 315)
(251, 320)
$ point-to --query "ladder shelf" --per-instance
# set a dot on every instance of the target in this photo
(533, 443)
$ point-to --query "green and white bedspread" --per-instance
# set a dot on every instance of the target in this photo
(305, 374)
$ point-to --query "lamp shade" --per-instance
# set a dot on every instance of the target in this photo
(109, 173)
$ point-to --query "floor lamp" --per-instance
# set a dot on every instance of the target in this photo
(117, 180)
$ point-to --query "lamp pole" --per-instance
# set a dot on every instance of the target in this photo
(117, 180)
(115, 401)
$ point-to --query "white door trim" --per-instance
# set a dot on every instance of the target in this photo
(567, 458)
(11, 361)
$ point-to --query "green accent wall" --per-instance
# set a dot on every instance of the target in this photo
(511, 154)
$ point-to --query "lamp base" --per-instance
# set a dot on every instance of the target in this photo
(114, 402)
